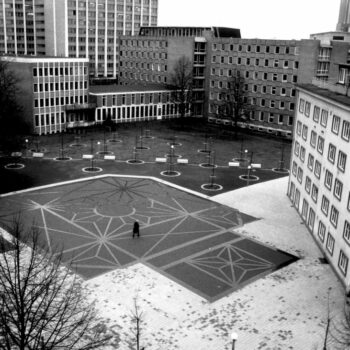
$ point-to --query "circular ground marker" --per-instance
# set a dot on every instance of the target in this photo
(174, 156)
(14, 166)
(204, 151)
(148, 137)
(135, 161)
(77, 145)
(280, 170)
(114, 141)
(170, 173)
(208, 165)
(142, 147)
(249, 177)
(211, 187)
(94, 169)
(63, 158)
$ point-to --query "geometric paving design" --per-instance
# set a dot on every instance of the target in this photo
(188, 238)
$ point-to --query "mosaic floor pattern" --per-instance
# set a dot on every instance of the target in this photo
(188, 238)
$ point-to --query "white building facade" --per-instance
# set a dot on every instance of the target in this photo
(319, 183)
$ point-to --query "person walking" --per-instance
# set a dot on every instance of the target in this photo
(136, 230)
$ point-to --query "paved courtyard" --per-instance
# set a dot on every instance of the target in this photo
(186, 237)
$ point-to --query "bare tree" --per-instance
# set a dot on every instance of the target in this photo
(181, 85)
(42, 304)
(12, 124)
(137, 316)
(233, 102)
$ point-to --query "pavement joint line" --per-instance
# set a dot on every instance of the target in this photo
(198, 253)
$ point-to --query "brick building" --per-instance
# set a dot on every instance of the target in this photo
(52, 91)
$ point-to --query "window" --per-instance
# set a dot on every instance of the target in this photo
(338, 189)
(335, 124)
(299, 128)
(314, 193)
(343, 262)
(330, 243)
(324, 117)
(345, 134)
(302, 153)
(325, 205)
(313, 139)
(300, 175)
(341, 161)
(331, 153)
(316, 115)
(321, 232)
(333, 218)
(307, 184)
(301, 105)
(294, 168)
(307, 108)
(310, 162)
(349, 202)
(311, 219)
(305, 209)
(305, 130)
(346, 231)
(296, 148)
(317, 170)
(328, 179)
(320, 145)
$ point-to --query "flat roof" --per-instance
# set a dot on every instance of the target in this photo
(105, 89)
(330, 95)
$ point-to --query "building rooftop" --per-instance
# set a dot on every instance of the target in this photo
(323, 90)
(105, 89)
(219, 32)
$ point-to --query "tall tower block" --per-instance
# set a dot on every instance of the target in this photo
(344, 16)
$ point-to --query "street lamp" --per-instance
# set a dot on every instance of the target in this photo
(234, 337)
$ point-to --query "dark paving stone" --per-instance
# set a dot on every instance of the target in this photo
(188, 238)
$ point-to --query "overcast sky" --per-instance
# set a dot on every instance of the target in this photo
(264, 19)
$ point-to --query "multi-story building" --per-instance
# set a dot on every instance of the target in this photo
(22, 26)
(123, 104)
(53, 92)
(74, 28)
(91, 29)
(152, 56)
(271, 68)
(319, 185)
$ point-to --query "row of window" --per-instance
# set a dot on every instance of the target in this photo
(248, 61)
(284, 78)
(131, 112)
(147, 98)
(321, 116)
(255, 48)
(59, 101)
(144, 54)
(343, 260)
(63, 70)
(49, 119)
(143, 76)
(62, 86)
(261, 116)
(144, 43)
(309, 215)
(145, 65)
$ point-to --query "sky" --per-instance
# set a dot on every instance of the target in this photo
(263, 19)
